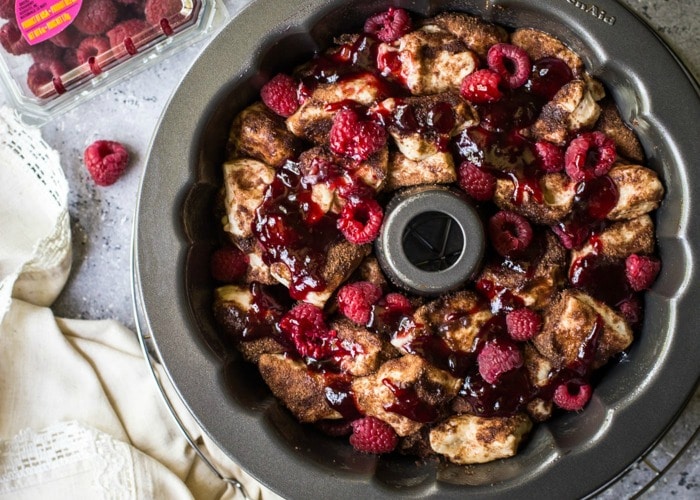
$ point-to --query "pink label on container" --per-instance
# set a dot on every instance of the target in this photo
(39, 20)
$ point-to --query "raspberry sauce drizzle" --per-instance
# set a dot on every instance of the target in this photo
(282, 226)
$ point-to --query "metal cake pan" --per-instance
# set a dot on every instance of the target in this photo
(572, 455)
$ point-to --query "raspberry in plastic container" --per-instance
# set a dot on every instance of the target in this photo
(52, 53)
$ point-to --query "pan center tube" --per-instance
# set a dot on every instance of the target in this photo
(431, 242)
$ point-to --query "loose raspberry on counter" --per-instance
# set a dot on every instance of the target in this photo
(91, 47)
(355, 138)
(571, 396)
(549, 157)
(126, 29)
(280, 95)
(476, 182)
(355, 301)
(496, 358)
(481, 87)
(589, 155)
(361, 221)
(511, 62)
(510, 233)
(156, 10)
(390, 25)
(371, 435)
(96, 17)
(42, 72)
(641, 271)
(228, 264)
(523, 324)
(305, 326)
(106, 161)
(12, 40)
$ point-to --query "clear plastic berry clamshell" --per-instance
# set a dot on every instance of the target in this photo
(56, 54)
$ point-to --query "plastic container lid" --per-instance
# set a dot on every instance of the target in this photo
(55, 54)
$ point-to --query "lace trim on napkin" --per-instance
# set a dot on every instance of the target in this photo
(66, 449)
(31, 167)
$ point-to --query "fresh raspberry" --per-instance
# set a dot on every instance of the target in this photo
(355, 138)
(511, 62)
(549, 157)
(395, 303)
(46, 52)
(106, 161)
(355, 301)
(42, 73)
(68, 38)
(355, 191)
(476, 182)
(361, 221)
(280, 95)
(228, 264)
(631, 309)
(498, 357)
(641, 271)
(156, 10)
(96, 17)
(571, 236)
(481, 87)
(572, 396)
(523, 324)
(12, 40)
(589, 155)
(335, 428)
(371, 435)
(91, 47)
(7, 9)
(510, 233)
(305, 326)
(390, 25)
(126, 29)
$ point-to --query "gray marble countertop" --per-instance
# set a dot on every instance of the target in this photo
(99, 286)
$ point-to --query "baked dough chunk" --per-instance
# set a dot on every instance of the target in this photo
(314, 118)
(611, 124)
(572, 319)
(457, 318)
(572, 108)
(427, 61)
(549, 201)
(245, 183)
(367, 350)
(436, 169)
(620, 240)
(468, 439)
(259, 133)
(475, 33)
(539, 44)
(536, 279)
(232, 304)
(431, 386)
(342, 259)
(300, 389)
(639, 191)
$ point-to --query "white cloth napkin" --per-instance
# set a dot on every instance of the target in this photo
(80, 414)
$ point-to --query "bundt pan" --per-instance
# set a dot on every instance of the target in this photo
(572, 455)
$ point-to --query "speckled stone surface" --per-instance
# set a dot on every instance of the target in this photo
(100, 286)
